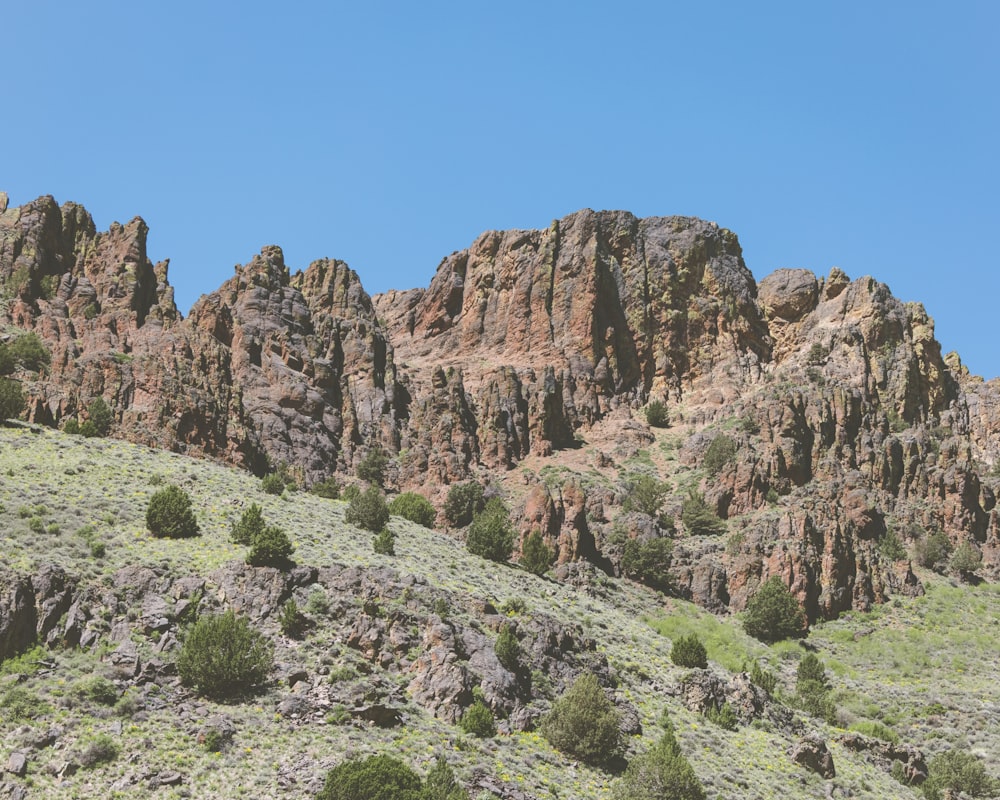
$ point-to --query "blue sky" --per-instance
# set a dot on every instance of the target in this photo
(388, 134)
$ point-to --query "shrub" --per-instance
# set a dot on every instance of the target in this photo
(720, 452)
(372, 778)
(7, 363)
(99, 413)
(224, 656)
(966, 559)
(101, 750)
(657, 415)
(810, 668)
(813, 690)
(584, 723)
(465, 500)
(723, 716)
(761, 678)
(371, 468)
(891, 547)
(688, 651)
(11, 399)
(645, 495)
(384, 542)
(89, 429)
(414, 507)
(271, 547)
(875, 730)
(536, 556)
(959, 771)
(272, 483)
(19, 703)
(699, 518)
(514, 606)
(251, 524)
(350, 492)
(30, 352)
(478, 721)
(508, 649)
(368, 510)
(169, 514)
(648, 562)
(98, 690)
(773, 614)
(328, 488)
(440, 783)
(292, 621)
(660, 772)
(933, 550)
(491, 534)
(71, 426)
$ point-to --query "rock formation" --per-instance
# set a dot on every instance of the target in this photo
(526, 362)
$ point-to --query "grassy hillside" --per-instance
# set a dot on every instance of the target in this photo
(925, 667)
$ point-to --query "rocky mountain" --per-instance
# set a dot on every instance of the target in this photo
(527, 363)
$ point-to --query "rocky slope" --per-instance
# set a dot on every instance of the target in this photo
(526, 363)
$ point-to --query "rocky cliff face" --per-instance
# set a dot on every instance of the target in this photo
(527, 362)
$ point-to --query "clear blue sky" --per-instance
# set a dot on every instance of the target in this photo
(856, 134)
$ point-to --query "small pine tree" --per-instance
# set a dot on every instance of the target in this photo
(536, 556)
(657, 415)
(959, 771)
(271, 547)
(584, 723)
(329, 488)
(272, 483)
(99, 413)
(720, 452)
(11, 399)
(688, 651)
(649, 562)
(414, 507)
(645, 494)
(371, 468)
(169, 514)
(478, 721)
(491, 534)
(773, 613)
(699, 518)
(660, 772)
(372, 778)
(224, 656)
(30, 352)
(508, 649)
(384, 542)
(465, 500)
(440, 783)
(966, 559)
(250, 525)
(368, 510)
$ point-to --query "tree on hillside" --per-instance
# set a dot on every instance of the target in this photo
(773, 613)
(584, 723)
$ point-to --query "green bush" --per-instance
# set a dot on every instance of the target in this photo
(71, 426)
(966, 559)
(384, 542)
(699, 518)
(270, 547)
(508, 649)
(19, 703)
(465, 500)
(328, 488)
(891, 547)
(960, 771)
(813, 690)
(30, 352)
(291, 620)
(773, 613)
(649, 562)
(89, 429)
(98, 690)
(478, 721)
(810, 668)
(272, 483)
(103, 749)
(761, 678)
(11, 399)
(661, 772)
(688, 651)
(933, 551)
(7, 363)
(414, 507)
(875, 730)
(723, 716)
(169, 514)
(440, 783)
(372, 778)
(657, 415)
(491, 534)
(224, 656)
(720, 452)
(251, 524)
(99, 413)
(584, 723)
(368, 510)
(536, 556)
(645, 494)
(371, 468)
